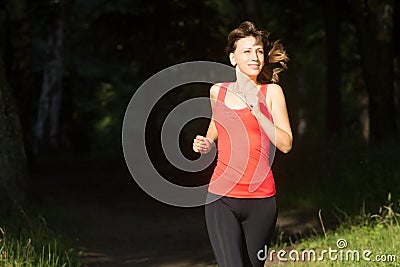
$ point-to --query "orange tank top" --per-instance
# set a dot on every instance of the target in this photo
(243, 167)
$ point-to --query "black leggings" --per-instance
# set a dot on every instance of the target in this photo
(239, 227)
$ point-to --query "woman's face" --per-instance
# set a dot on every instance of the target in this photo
(248, 57)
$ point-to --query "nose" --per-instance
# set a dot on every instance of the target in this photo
(255, 56)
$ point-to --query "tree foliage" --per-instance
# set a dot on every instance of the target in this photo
(110, 47)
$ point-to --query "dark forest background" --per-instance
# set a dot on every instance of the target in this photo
(69, 68)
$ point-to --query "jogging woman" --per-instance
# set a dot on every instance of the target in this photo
(249, 120)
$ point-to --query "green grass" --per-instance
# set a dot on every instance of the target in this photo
(338, 174)
(363, 240)
(29, 242)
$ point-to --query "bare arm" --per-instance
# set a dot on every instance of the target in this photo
(278, 131)
(203, 144)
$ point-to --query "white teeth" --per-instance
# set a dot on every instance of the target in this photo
(254, 66)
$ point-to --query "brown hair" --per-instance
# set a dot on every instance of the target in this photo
(275, 57)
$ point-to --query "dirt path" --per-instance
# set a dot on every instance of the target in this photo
(116, 224)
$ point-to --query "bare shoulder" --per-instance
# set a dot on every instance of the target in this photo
(275, 92)
(214, 90)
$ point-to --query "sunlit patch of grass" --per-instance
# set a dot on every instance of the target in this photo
(30, 243)
(368, 240)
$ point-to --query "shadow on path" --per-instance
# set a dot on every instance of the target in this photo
(115, 223)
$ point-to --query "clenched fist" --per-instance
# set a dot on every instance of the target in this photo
(202, 144)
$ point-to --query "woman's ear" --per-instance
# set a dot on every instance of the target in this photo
(232, 59)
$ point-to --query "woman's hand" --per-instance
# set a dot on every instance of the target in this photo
(253, 100)
(202, 144)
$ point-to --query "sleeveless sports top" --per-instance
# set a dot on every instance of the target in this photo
(243, 167)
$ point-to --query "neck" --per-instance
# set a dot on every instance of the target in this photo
(244, 81)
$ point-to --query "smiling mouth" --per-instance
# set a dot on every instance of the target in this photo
(254, 66)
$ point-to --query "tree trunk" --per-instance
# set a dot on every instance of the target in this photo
(47, 122)
(396, 41)
(333, 95)
(19, 65)
(374, 22)
(13, 168)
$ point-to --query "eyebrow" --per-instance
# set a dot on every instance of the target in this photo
(257, 47)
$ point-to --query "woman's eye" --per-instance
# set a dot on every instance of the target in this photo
(246, 51)
(260, 52)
